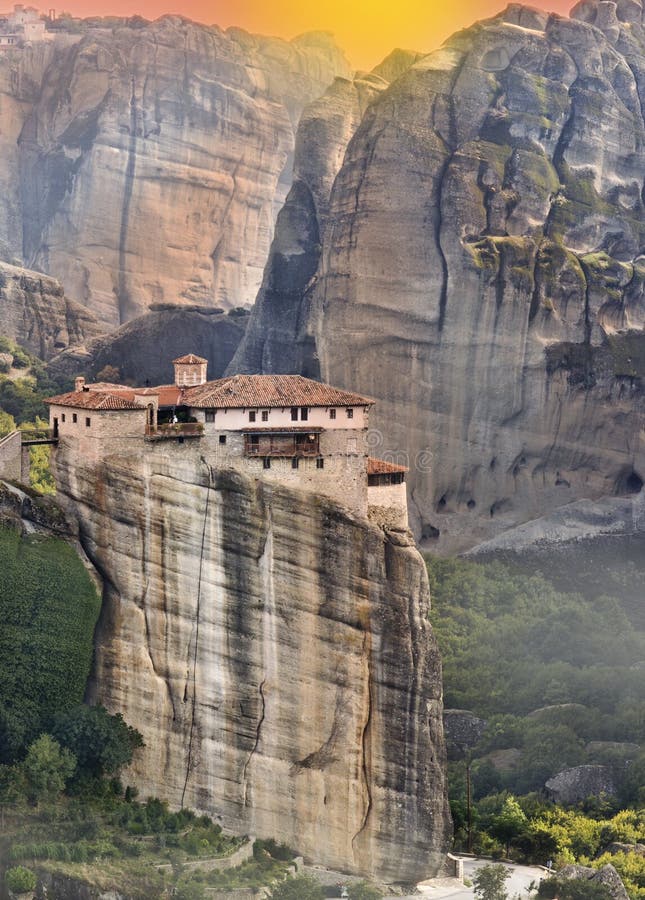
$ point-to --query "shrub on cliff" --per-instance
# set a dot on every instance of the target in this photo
(302, 887)
(20, 880)
(101, 743)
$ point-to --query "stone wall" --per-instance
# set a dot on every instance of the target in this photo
(343, 477)
(10, 456)
(387, 504)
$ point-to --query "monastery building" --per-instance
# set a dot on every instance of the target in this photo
(281, 428)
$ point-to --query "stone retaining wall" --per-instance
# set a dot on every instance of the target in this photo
(10, 456)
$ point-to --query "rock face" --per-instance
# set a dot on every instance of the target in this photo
(576, 784)
(145, 166)
(274, 652)
(35, 312)
(607, 876)
(274, 341)
(482, 273)
(144, 347)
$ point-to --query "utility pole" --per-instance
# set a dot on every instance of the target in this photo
(469, 811)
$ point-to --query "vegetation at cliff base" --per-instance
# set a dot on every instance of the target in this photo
(48, 608)
(557, 675)
(553, 668)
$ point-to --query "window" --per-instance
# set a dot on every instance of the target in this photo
(332, 413)
(320, 463)
(210, 415)
(87, 422)
(294, 462)
(266, 462)
(252, 416)
(304, 413)
(350, 413)
(265, 415)
(74, 418)
(294, 413)
(63, 417)
(222, 438)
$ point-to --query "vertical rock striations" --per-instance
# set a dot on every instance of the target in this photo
(35, 313)
(277, 338)
(275, 654)
(145, 160)
(482, 269)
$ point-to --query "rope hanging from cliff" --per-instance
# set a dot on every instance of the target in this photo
(197, 618)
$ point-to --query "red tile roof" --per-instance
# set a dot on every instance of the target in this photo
(382, 467)
(168, 394)
(107, 386)
(93, 400)
(245, 391)
(236, 392)
(189, 360)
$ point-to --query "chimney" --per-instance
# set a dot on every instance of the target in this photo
(79, 383)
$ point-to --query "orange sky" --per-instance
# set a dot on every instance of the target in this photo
(366, 29)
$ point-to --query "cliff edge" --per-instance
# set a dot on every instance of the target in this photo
(274, 652)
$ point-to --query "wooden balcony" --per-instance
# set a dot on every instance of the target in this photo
(283, 443)
(179, 430)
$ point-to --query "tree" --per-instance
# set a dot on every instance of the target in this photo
(510, 824)
(101, 743)
(47, 768)
(109, 373)
(488, 882)
(362, 890)
(303, 887)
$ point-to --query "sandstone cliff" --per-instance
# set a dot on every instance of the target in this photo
(272, 341)
(482, 273)
(35, 312)
(274, 652)
(143, 161)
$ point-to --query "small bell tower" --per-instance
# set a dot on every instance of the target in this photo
(190, 370)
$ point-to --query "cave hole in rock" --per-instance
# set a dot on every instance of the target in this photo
(441, 505)
(471, 504)
(493, 463)
(429, 533)
(628, 482)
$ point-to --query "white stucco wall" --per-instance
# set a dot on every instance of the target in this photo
(280, 417)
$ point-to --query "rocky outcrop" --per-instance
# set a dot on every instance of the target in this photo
(145, 160)
(274, 652)
(583, 520)
(35, 313)
(607, 876)
(576, 784)
(482, 273)
(463, 730)
(143, 349)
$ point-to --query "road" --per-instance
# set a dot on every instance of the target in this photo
(451, 889)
